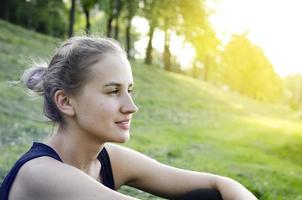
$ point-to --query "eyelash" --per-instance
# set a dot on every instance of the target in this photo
(131, 91)
(114, 92)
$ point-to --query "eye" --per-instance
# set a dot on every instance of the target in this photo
(131, 92)
(113, 92)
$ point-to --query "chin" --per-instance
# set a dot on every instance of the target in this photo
(123, 138)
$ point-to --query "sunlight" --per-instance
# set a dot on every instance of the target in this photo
(275, 123)
(272, 25)
(141, 26)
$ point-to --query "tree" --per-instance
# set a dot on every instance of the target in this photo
(107, 6)
(167, 52)
(71, 18)
(183, 17)
(87, 5)
(161, 14)
(168, 21)
(198, 32)
(44, 16)
(248, 71)
(112, 8)
(131, 9)
(116, 13)
(4, 10)
(151, 12)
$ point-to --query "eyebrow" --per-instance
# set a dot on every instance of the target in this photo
(116, 84)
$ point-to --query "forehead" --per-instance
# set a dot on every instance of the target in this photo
(112, 68)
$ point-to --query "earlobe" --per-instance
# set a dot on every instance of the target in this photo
(63, 103)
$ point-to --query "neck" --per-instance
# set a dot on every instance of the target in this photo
(75, 148)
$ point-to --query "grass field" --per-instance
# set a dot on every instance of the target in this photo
(182, 122)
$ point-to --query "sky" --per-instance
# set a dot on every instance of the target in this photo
(274, 25)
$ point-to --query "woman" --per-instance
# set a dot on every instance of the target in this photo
(87, 90)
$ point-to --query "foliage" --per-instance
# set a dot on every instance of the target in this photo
(240, 61)
(200, 34)
(187, 123)
(247, 70)
(45, 16)
(87, 5)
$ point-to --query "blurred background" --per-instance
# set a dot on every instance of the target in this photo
(218, 82)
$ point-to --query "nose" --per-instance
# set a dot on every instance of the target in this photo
(128, 106)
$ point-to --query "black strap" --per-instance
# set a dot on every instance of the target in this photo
(106, 170)
(37, 150)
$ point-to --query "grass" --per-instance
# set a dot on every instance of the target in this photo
(182, 122)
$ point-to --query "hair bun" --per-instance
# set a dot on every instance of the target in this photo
(33, 78)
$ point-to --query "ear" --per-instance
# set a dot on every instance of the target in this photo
(63, 103)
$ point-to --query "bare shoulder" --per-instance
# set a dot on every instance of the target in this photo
(48, 179)
(32, 176)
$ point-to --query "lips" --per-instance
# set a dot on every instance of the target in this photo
(122, 121)
(123, 124)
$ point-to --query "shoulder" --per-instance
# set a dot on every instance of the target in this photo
(47, 178)
(37, 168)
(32, 176)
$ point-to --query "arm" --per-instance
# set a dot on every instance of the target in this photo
(149, 175)
(48, 179)
(231, 189)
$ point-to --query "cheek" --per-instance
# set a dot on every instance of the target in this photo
(105, 110)
(100, 110)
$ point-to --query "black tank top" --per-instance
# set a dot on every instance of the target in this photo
(39, 150)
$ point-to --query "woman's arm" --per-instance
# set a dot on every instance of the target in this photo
(47, 179)
(231, 189)
(134, 169)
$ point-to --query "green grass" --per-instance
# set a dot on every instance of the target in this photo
(182, 122)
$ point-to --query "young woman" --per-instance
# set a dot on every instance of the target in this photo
(87, 90)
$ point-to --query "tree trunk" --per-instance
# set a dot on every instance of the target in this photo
(206, 68)
(87, 14)
(116, 29)
(117, 11)
(71, 18)
(148, 59)
(194, 70)
(110, 19)
(167, 53)
(4, 10)
(109, 26)
(128, 38)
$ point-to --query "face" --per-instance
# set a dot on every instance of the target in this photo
(104, 105)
